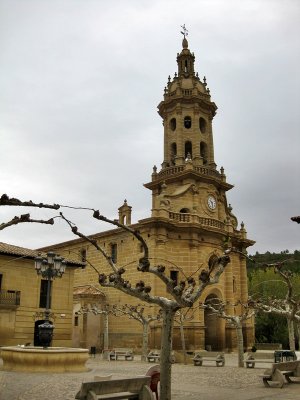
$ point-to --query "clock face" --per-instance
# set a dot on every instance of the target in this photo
(211, 202)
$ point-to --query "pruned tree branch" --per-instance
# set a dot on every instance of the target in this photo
(76, 232)
(219, 308)
(296, 219)
(136, 312)
(5, 200)
(25, 218)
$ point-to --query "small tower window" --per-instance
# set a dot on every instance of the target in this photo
(185, 66)
(202, 125)
(203, 152)
(188, 150)
(83, 255)
(173, 124)
(187, 122)
(114, 252)
(173, 153)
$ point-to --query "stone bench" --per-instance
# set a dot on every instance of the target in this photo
(154, 356)
(117, 389)
(213, 356)
(265, 357)
(121, 352)
(281, 373)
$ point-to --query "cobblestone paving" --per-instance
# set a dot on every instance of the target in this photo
(188, 382)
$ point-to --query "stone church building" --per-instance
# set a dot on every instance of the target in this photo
(189, 225)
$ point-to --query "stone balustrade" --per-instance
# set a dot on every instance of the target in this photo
(193, 218)
(180, 168)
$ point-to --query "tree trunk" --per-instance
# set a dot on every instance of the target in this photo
(240, 344)
(105, 336)
(145, 341)
(298, 333)
(291, 330)
(165, 354)
(183, 342)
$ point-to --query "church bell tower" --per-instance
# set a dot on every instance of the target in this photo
(189, 188)
(191, 222)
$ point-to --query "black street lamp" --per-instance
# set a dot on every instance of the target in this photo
(50, 268)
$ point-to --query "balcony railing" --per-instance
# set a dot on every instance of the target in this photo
(166, 172)
(9, 298)
(185, 217)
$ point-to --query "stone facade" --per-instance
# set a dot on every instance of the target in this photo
(20, 299)
(190, 224)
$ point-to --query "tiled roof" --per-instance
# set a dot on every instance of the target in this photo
(88, 290)
(9, 249)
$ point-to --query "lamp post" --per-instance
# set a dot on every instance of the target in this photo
(49, 268)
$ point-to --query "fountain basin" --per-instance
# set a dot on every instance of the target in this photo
(38, 359)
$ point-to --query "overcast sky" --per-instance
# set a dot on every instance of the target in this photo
(80, 81)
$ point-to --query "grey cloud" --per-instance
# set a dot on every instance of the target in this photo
(79, 86)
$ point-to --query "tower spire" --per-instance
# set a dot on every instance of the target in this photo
(185, 59)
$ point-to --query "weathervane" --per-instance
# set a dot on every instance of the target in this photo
(184, 31)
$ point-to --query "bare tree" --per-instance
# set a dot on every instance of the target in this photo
(181, 316)
(247, 312)
(138, 313)
(289, 306)
(105, 312)
(179, 296)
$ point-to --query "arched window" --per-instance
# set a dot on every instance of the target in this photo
(188, 150)
(185, 66)
(202, 125)
(174, 276)
(173, 153)
(172, 124)
(187, 122)
(203, 152)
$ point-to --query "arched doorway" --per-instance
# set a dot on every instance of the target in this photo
(214, 327)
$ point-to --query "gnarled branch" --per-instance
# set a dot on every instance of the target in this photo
(24, 218)
(5, 200)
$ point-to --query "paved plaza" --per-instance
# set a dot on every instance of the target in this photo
(188, 382)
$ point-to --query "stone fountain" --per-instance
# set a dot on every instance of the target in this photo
(39, 359)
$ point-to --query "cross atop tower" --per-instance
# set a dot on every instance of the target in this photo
(184, 31)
